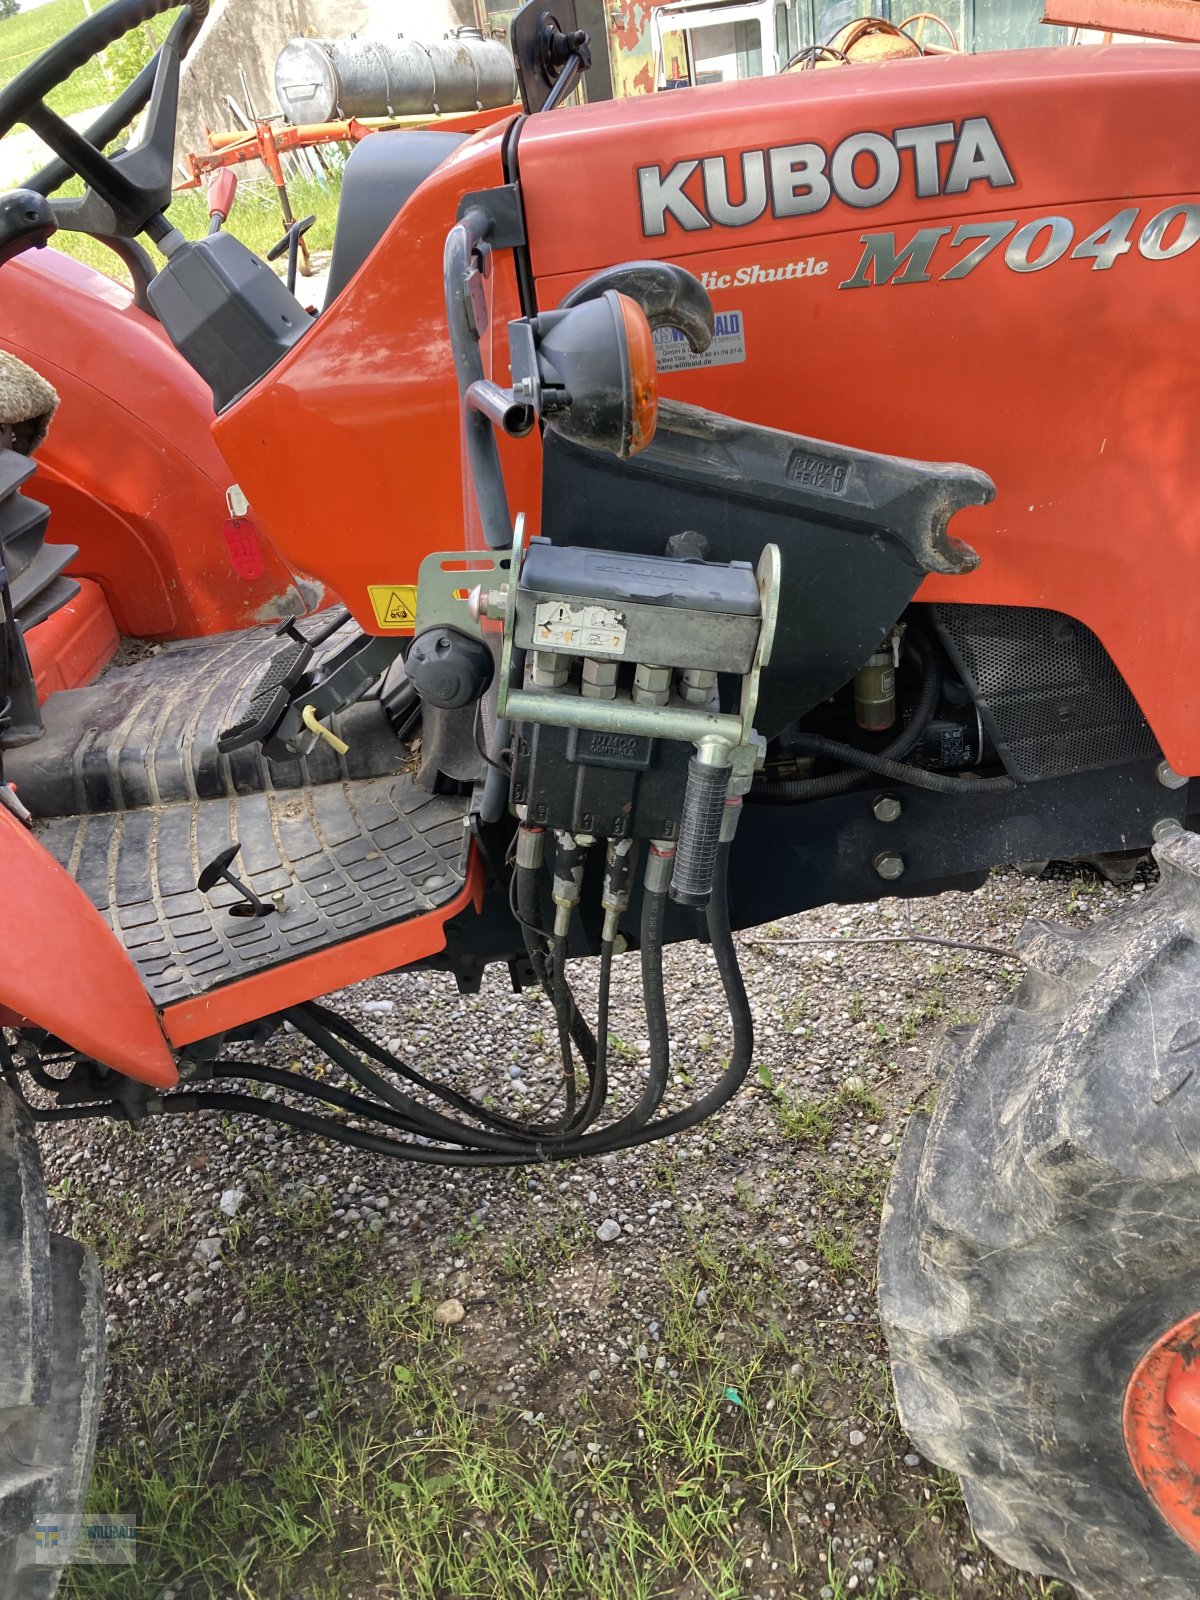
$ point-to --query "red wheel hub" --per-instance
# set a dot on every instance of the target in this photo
(1162, 1426)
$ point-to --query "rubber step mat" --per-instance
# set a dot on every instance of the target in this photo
(131, 796)
(146, 732)
(336, 860)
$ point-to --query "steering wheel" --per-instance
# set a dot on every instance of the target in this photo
(128, 192)
(921, 18)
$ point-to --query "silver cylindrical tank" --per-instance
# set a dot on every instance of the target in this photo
(322, 80)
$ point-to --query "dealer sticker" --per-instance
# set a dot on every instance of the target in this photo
(673, 353)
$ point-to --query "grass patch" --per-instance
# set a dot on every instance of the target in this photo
(356, 1449)
(27, 35)
(255, 220)
(808, 1121)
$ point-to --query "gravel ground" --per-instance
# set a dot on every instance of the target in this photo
(565, 1277)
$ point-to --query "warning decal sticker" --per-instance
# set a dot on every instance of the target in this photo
(589, 629)
(394, 604)
(673, 353)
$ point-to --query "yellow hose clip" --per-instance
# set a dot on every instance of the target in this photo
(310, 720)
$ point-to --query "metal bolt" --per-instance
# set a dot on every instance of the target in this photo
(889, 865)
(1164, 828)
(651, 685)
(1168, 777)
(887, 808)
(550, 670)
(487, 603)
(697, 686)
(599, 680)
(523, 389)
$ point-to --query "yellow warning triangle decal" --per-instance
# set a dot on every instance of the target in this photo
(394, 604)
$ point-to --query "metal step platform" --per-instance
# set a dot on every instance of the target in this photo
(133, 798)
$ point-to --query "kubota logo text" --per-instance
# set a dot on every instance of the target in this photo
(792, 180)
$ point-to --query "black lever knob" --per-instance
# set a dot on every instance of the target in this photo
(217, 871)
(26, 222)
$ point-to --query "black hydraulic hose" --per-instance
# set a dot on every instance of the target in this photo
(326, 1128)
(338, 1027)
(622, 1132)
(564, 1011)
(430, 1124)
(897, 771)
(792, 790)
(82, 1113)
(474, 1147)
(356, 1105)
(529, 913)
(598, 1091)
(465, 1142)
(927, 700)
(720, 933)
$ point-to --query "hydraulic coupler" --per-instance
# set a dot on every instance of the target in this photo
(630, 684)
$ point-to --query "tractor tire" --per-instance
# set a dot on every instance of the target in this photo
(1039, 1265)
(51, 1363)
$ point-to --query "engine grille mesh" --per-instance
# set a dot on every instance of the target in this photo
(1050, 695)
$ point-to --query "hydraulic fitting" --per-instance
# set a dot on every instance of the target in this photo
(696, 687)
(550, 670)
(619, 861)
(659, 865)
(531, 846)
(599, 680)
(651, 685)
(570, 853)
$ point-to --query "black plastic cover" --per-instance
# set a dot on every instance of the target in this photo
(227, 313)
(856, 531)
(608, 575)
(378, 180)
(26, 222)
(449, 668)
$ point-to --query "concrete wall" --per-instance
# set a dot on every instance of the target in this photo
(243, 37)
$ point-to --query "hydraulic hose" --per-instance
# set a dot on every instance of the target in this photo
(529, 913)
(897, 771)
(423, 1121)
(438, 1139)
(495, 1152)
(720, 932)
(564, 1013)
(626, 1129)
(793, 790)
(458, 1144)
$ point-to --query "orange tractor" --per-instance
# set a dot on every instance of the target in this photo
(614, 467)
